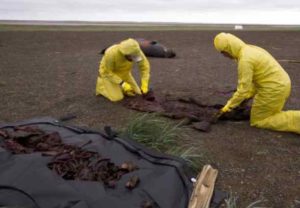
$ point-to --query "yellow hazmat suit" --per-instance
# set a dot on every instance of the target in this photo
(115, 76)
(259, 76)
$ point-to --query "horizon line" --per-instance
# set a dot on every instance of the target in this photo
(123, 23)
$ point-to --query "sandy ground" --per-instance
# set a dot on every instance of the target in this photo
(54, 74)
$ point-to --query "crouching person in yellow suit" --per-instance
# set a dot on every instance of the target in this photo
(259, 76)
(115, 78)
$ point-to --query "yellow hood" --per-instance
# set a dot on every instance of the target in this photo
(228, 43)
(130, 47)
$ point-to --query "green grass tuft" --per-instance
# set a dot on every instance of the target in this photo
(231, 202)
(194, 160)
(164, 136)
(152, 131)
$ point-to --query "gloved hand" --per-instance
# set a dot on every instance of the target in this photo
(127, 89)
(144, 88)
(216, 116)
(225, 109)
(126, 86)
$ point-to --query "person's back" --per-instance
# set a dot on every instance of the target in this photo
(267, 72)
(114, 61)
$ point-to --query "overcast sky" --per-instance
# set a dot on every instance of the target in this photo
(191, 11)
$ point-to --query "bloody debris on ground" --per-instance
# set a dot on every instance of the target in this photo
(199, 115)
(69, 161)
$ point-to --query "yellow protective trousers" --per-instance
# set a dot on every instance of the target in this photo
(266, 111)
(112, 91)
(108, 89)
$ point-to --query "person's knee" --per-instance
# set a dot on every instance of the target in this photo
(116, 98)
(254, 123)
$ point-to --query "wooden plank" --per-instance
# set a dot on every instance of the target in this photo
(203, 188)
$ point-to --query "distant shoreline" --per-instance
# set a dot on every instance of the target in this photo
(121, 23)
(32, 25)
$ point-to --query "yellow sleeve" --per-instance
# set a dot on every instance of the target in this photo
(252, 91)
(245, 88)
(131, 81)
(144, 67)
(106, 69)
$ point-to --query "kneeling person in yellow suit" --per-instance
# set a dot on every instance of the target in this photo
(259, 76)
(115, 78)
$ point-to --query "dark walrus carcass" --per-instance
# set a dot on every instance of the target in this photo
(152, 48)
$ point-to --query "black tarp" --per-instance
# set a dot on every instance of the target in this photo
(26, 181)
